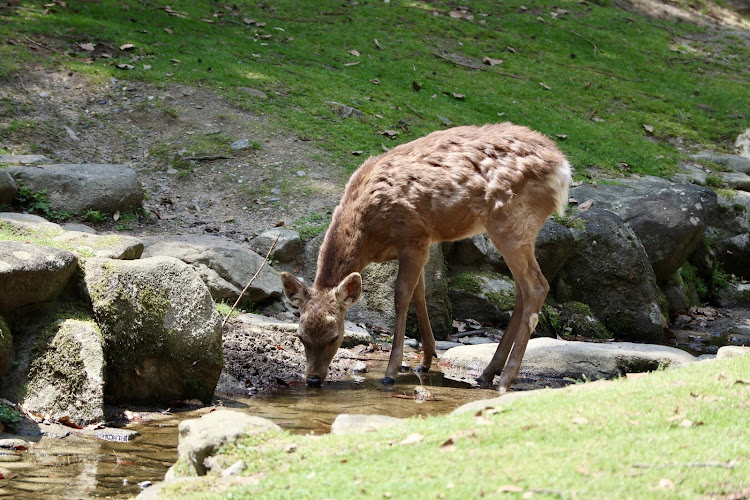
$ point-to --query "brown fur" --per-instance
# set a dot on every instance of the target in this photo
(502, 178)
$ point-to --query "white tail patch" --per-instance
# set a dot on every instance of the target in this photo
(564, 180)
(533, 320)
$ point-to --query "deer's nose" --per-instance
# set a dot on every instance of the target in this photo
(314, 381)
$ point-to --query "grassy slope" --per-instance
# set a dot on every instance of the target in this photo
(609, 72)
(673, 434)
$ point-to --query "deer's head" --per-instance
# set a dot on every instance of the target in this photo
(321, 322)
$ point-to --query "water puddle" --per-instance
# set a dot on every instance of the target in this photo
(76, 467)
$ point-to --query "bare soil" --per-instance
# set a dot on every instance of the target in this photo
(73, 118)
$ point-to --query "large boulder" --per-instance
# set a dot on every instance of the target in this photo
(108, 246)
(668, 218)
(288, 246)
(30, 222)
(738, 163)
(66, 379)
(8, 188)
(31, 273)
(78, 188)
(162, 333)
(226, 266)
(729, 231)
(557, 360)
(552, 248)
(610, 272)
(483, 296)
(201, 437)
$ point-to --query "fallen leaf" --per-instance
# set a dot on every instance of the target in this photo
(389, 133)
(412, 439)
(87, 46)
(357, 153)
(585, 205)
(649, 128)
(562, 137)
(511, 49)
(169, 31)
(459, 96)
(352, 63)
(116, 215)
(127, 46)
(375, 81)
(665, 483)
(125, 66)
(491, 62)
(146, 66)
(545, 86)
(377, 44)
(355, 53)
(510, 488)
(448, 445)
(385, 148)
(579, 420)
(416, 85)
(577, 183)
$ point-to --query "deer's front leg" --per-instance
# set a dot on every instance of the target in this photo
(425, 329)
(410, 264)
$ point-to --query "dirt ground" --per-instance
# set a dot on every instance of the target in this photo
(73, 118)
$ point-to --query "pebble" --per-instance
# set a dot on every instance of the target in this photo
(414, 343)
(145, 484)
(301, 173)
(359, 367)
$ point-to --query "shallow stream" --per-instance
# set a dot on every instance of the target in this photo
(76, 467)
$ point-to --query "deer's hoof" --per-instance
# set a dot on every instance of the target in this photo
(483, 383)
(388, 381)
(421, 369)
(404, 369)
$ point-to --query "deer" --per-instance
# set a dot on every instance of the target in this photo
(501, 179)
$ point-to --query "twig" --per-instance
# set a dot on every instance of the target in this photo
(603, 73)
(478, 68)
(22, 85)
(251, 281)
(42, 46)
(209, 158)
(414, 111)
(582, 38)
(696, 59)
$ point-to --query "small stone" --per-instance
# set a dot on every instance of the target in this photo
(359, 367)
(145, 484)
(421, 393)
(234, 469)
(240, 145)
(301, 173)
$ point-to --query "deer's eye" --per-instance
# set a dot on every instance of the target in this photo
(333, 341)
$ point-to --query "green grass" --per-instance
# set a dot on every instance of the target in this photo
(672, 434)
(608, 71)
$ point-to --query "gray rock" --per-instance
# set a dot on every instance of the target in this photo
(8, 188)
(736, 180)
(483, 296)
(240, 145)
(360, 424)
(161, 331)
(355, 335)
(66, 380)
(668, 218)
(679, 295)
(738, 163)
(733, 295)
(610, 272)
(24, 159)
(576, 319)
(345, 111)
(743, 144)
(444, 345)
(33, 273)
(732, 351)
(81, 228)
(201, 437)
(729, 227)
(221, 290)
(109, 246)
(692, 174)
(31, 222)
(288, 247)
(78, 188)
(233, 263)
(548, 358)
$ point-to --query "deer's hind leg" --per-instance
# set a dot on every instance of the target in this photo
(516, 243)
(425, 329)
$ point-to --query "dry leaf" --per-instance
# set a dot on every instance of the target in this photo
(169, 31)
(127, 46)
(545, 86)
(146, 66)
(377, 44)
(449, 445)
(585, 205)
(412, 439)
(686, 423)
(649, 128)
(352, 63)
(116, 216)
(562, 137)
(87, 46)
(491, 61)
(390, 133)
(416, 85)
(510, 488)
(357, 153)
(375, 81)
(665, 483)
(125, 66)
(354, 53)
(459, 96)
(580, 420)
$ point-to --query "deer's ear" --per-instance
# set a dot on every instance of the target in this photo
(349, 290)
(294, 289)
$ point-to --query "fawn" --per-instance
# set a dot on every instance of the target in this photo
(502, 179)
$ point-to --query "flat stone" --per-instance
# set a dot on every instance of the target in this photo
(359, 424)
(732, 351)
(13, 444)
(109, 246)
(736, 180)
(24, 159)
(29, 221)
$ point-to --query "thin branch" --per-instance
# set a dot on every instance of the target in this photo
(42, 46)
(582, 38)
(208, 158)
(420, 115)
(478, 68)
(251, 281)
(22, 85)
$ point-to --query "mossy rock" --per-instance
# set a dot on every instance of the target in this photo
(6, 346)
(161, 331)
(483, 296)
(577, 319)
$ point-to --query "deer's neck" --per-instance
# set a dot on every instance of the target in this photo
(341, 252)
